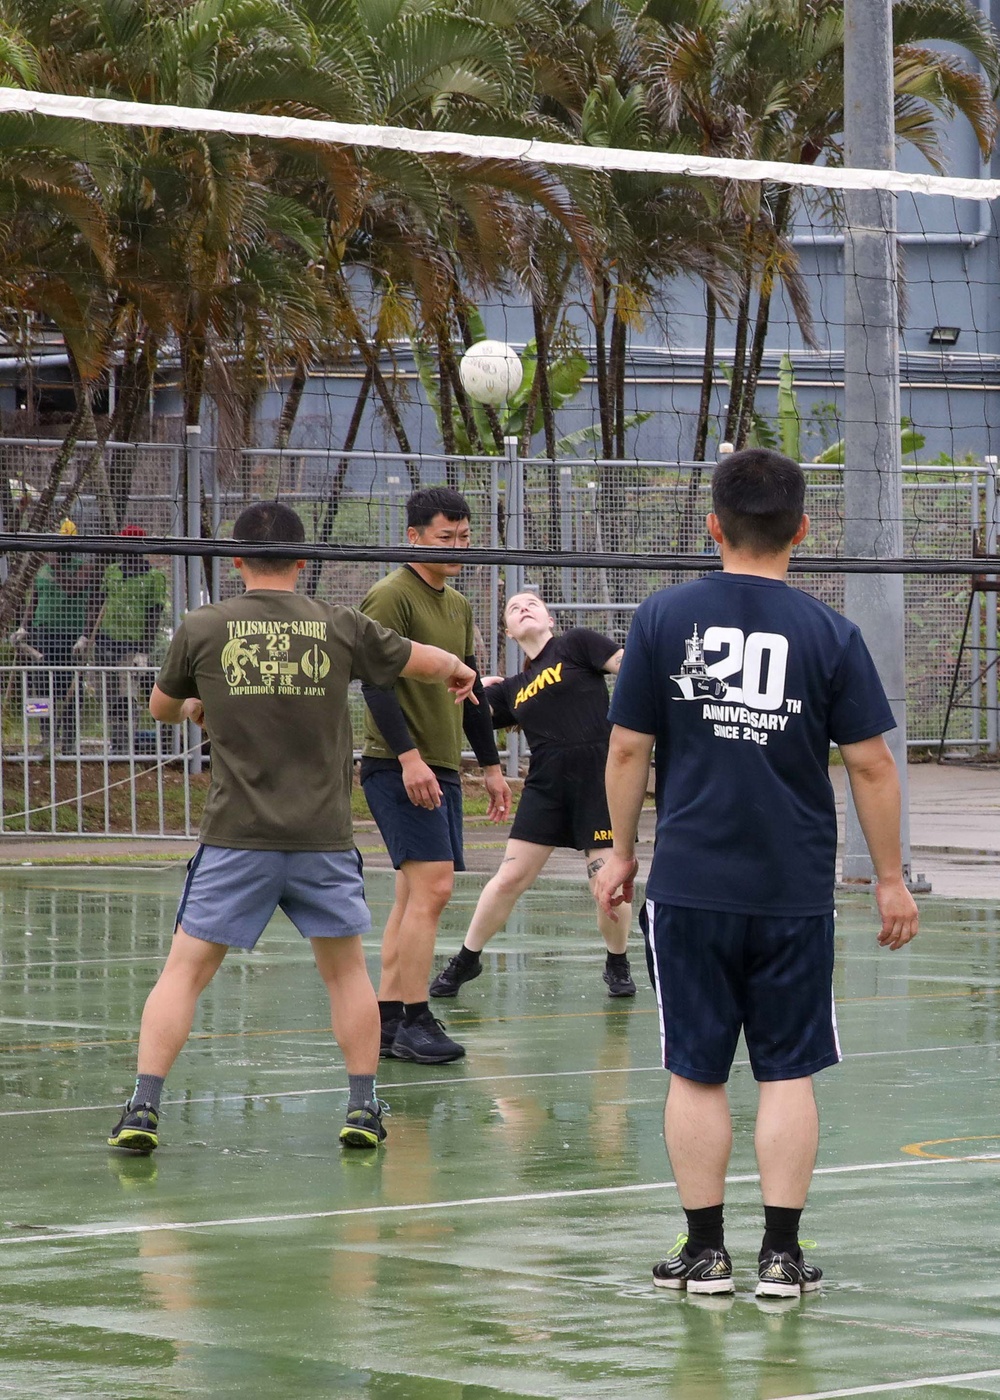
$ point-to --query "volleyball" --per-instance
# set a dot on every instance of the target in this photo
(490, 371)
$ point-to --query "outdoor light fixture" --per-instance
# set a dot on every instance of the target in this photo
(944, 335)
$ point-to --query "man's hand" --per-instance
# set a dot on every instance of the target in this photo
(422, 787)
(499, 794)
(615, 883)
(900, 919)
(461, 681)
(194, 710)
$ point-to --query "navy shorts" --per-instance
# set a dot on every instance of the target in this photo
(410, 832)
(716, 973)
(230, 895)
(564, 802)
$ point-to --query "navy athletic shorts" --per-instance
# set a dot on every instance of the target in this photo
(564, 802)
(410, 832)
(716, 973)
(230, 895)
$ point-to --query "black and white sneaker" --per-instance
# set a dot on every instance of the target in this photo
(710, 1271)
(618, 976)
(450, 978)
(426, 1042)
(782, 1275)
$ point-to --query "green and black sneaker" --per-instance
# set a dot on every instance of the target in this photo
(135, 1130)
(364, 1126)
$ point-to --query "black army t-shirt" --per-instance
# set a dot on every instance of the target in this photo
(745, 682)
(561, 696)
(272, 669)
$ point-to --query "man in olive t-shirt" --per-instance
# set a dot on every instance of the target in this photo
(267, 675)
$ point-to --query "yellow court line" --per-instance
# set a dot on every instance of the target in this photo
(471, 1020)
(916, 1149)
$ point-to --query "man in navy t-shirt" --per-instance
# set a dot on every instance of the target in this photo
(742, 683)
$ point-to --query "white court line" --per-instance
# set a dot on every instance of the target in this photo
(894, 1385)
(401, 1085)
(69, 1234)
(64, 1025)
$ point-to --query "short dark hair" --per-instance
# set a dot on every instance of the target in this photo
(269, 522)
(759, 497)
(422, 506)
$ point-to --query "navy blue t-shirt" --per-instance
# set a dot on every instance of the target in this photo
(745, 681)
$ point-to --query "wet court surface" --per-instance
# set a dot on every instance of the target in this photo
(501, 1244)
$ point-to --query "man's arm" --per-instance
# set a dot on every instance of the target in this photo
(166, 710)
(478, 726)
(625, 779)
(874, 781)
(614, 663)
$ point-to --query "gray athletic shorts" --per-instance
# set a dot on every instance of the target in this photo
(230, 895)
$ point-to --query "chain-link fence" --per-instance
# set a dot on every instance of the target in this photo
(86, 633)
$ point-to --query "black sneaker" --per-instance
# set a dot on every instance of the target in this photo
(711, 1271)
(782, 1275)
(389, 1029)
(426, 1042)
(618, 976)
(448, 981)
(136, 1129)
(364, 1127)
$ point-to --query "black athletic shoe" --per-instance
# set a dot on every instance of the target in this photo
(782, 1275)
(619, 979)
(711, 1271)
(448, 981)
(426, 1042)
(389, 1029)
(364, 1127)
(136, 1129)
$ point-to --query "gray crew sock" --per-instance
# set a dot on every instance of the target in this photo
(361, 1091)
(148, 1088)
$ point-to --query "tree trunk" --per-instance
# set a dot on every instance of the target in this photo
(740, 349)
(445, 401)
(337, 484)
(604, 407)
(782, 209)
(291, 405)
(619, 338)
(707, 378)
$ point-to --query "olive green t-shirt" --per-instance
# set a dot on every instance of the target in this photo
(440, 617)
(272, 669)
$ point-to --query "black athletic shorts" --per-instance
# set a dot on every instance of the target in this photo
(563, 802)
(716, 973)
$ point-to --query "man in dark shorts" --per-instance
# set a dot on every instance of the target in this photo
(743, 683)
(267, 675)
(410, 773)
(560, 701)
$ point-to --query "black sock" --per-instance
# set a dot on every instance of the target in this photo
(781, 1230)
(467, 957)
(704, 1229)
(413, 1010)
(361, 1090)
(390, 1012)
(617, 959)
(148, 1088)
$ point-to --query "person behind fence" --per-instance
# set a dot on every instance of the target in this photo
(124, 621)
(56, 616)
(742, 683)
(560, 701)
(267, 674)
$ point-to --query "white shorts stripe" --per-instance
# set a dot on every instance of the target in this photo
(650, 916)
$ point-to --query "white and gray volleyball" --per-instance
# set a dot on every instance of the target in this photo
(490, 371)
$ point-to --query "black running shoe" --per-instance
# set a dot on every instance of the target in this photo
(364, 1127)
(389, 1029)
(711, 1271)
(426, 1042)
(448, 981)
(136, 1129)
(619, 979)
(782, 1275)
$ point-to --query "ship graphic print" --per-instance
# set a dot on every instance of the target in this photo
(693, 680)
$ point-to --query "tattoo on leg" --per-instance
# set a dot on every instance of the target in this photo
(593, 866)
(508, 859)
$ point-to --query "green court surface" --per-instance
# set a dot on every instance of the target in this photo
(501, 1244)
